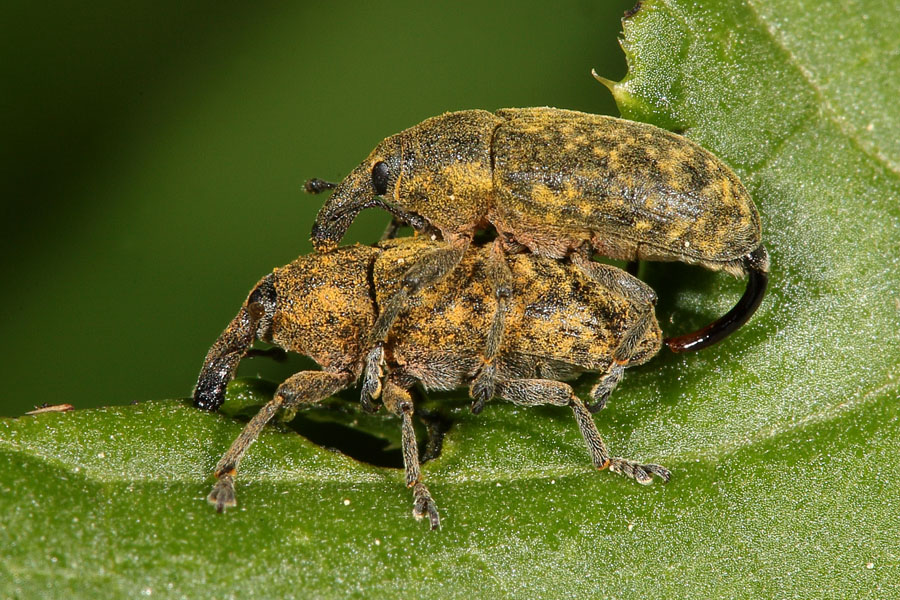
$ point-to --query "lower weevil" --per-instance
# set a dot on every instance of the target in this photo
(558, 323)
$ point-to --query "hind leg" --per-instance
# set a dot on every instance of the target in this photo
(620, 358)
(639, 293)
(615, 279)
(532, 392)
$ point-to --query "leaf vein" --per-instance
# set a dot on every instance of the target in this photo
(828, 413)
(830, 112)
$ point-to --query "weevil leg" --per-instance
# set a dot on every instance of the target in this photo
(222, 495)
(756, 265)
(621, 355)
(306, 387)
(605, 385)
(390, 232)
(642, 473)
(641, 295)
(399, 401)
(484, 385)
(531, 392)
(534, 392)
(372, 375)
(223, 358)
(632, 267)
(426, 271)
(617, 280)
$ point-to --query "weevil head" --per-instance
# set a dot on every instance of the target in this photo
(436, 174)
(371, 184)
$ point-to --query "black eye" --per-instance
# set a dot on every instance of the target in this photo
(380, 178)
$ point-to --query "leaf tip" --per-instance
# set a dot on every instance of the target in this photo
(618, 89)
(610, 85)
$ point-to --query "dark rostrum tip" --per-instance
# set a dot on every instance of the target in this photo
(207, 397)
(320, 239)
(756, 264)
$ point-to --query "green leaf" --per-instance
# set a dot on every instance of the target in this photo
(783, 440)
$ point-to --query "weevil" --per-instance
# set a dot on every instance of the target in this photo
(559, 183)
(559, 323)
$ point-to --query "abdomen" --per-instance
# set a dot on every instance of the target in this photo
(635, 191)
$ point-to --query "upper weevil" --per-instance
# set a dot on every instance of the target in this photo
(560, 323)
(559, 183)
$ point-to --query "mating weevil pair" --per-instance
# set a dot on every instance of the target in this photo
(507, 319)
(561, 184)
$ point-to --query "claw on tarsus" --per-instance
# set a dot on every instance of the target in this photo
(639, 472)
(424, 506)
(222, 494)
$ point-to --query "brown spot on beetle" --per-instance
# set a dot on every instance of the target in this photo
(632, 11)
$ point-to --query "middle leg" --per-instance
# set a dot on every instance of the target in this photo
(426, 271)
(484, 385)
(399, 401)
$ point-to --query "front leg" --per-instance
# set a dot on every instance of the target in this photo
(398, 401)
(426, 271)
(532, 392)
(306, 387)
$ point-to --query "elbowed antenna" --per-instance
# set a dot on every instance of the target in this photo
(317, 186)
(757, 267)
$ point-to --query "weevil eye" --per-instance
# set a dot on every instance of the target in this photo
(380, 177)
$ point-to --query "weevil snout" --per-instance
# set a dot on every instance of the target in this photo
(351, 196)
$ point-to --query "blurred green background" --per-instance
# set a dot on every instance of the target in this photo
(154, 155)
